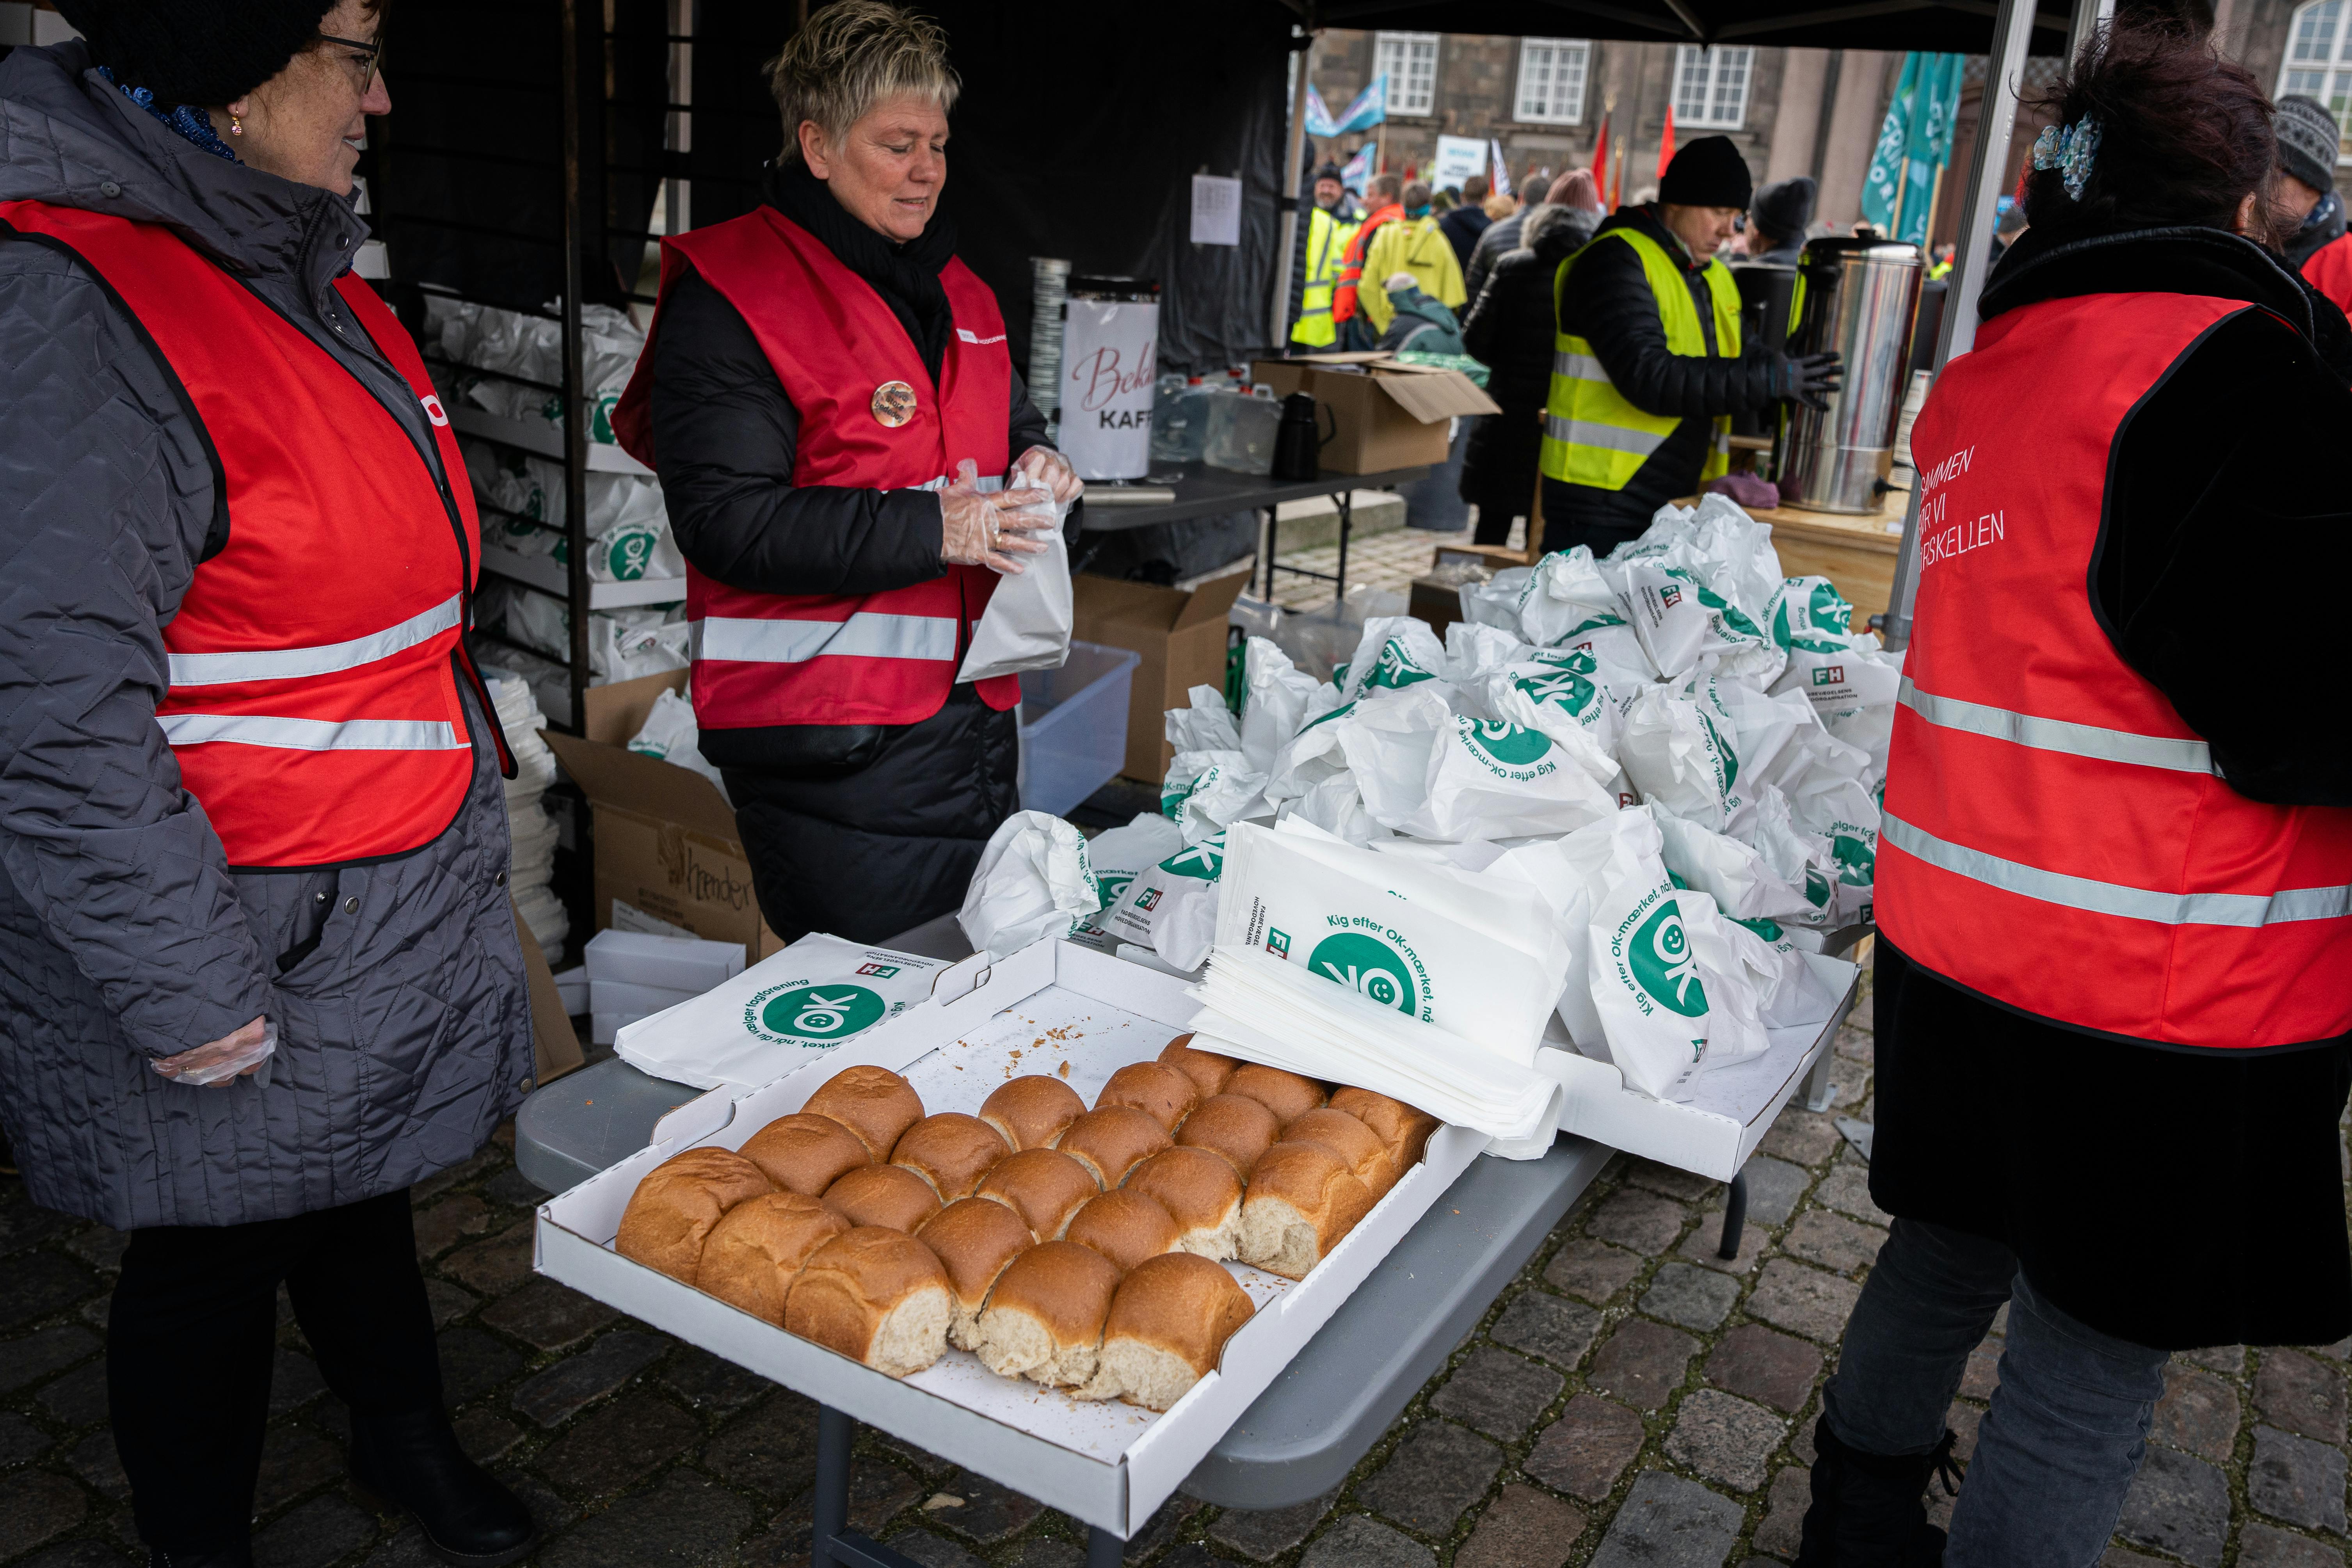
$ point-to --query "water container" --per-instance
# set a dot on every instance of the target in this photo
(1179, 422)
(1242, 431)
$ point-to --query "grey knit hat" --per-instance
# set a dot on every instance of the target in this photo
(204, 52)
(2307, 141)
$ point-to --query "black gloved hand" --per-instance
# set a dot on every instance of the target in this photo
(1808, 379)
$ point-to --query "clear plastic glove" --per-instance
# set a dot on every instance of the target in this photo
(984, 529)
(232, 1056)
(1050, 467)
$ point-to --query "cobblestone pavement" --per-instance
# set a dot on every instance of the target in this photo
(1388, 562)
(1629, 1399)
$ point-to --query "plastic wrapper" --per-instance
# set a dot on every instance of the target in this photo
(1035, 879)
(1277, 699)
(221, 1065)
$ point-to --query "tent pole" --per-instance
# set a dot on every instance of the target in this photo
(1996, 121)
(1278, 333)
(2088, 15)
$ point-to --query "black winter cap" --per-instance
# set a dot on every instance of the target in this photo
(1708, 173)
(1784, 210)
(2307, 141)
(204, 52)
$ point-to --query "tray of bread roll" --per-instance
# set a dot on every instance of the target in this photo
(1033, 1228)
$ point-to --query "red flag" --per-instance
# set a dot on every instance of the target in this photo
(1666, 146)
(1600, 167)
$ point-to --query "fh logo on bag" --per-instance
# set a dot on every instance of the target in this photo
(1830, 675)
(800, 1014)
(1367, 966)
(880, 971)
(1669, 597)
(1278, 943)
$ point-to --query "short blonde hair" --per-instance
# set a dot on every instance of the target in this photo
(849, 57)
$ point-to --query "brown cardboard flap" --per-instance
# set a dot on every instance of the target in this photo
(555, 1049)
(617, 712)
(1114, 600)
(1430, 393)
(612, 774)
(1211, 601)
(1361, 356)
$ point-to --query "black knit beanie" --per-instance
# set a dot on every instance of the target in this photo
(1708, 173)
(2307, 141)
(204, 52)
(1784, 210)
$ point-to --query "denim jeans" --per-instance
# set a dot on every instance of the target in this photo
(2069, 1422)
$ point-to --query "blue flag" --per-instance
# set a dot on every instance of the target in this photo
(1358, 173)
(1372, 107)
(1318, 117)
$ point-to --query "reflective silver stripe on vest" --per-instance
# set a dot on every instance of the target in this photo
(310, 734)
(2056, 734)
(1579, 367)
(286, 664)
(1616, 438)
(866, 635)
(2113, 897)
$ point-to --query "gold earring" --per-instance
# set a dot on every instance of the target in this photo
(236, 126)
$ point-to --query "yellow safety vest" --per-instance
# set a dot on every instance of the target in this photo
(1327, 241)
(1592, 434)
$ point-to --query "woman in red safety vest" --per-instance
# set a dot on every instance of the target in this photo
(2114, 874)
(259, 971)
(830, 403)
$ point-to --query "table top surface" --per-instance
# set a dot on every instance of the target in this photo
(1203, 492)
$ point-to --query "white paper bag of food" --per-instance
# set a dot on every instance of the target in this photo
(1278, 697)
(1738, 973)
(1735, 875)
(1119, 855)
(671, 733)
(1646, 986)
(1171, 908)
(1026, 625)
(1395, 652)
(1207, 725)
(1337, 807)
(1206, 790)
(1567, 603)
(1680, 753)
(780, 1014)
(1034, 880)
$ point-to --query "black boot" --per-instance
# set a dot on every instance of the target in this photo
(237, 1556)
(412, 1462)
(1870, 1510)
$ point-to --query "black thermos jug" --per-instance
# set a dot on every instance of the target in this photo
(1297, 442)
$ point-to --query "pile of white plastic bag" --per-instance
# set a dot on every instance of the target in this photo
(531, 347)
(532, 862)
(629, 537)
(1678, 748)
(671, 733)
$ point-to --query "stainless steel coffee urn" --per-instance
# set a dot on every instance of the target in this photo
(1861, 297)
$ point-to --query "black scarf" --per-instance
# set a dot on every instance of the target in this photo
(906, 275)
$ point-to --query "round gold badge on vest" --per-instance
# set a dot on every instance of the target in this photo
(894, 403)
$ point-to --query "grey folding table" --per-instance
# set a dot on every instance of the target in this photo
(1203, 492)
(1331, 1404)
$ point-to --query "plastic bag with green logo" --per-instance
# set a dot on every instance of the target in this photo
(1852, 684)
(1121, 854)
(1207, 790)
(1565, 602)
(1474, 652)
(671, 733)
(1430, 773)
(1312, 755)
(1034, 881)
(781, 1013)
(1680, 619)
(1573, 698)
(1394, 654)
(1737, 876)
(1682, 756)
(1809, 607)
(1278, 697)
(1647, 990)
(1206, 725)
(1172, 907)
(1740, 973)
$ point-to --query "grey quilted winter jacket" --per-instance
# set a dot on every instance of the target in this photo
(405, 1032)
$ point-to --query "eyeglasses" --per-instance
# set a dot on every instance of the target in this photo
(373, 51)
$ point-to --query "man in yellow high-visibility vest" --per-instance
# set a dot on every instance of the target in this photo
(1647, 366)
(1413, 245)
(1328, 233)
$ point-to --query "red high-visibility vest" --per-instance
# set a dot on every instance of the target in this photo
(312, 705)
(2056, 838)
(2329, 270)
(840, 659)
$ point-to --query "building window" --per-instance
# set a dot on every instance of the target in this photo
(1551, 81)
(1410, 62)
(2319, 59)
(1711, 86)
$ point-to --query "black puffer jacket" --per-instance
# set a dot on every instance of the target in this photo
(1608, 302)
(1510, 330)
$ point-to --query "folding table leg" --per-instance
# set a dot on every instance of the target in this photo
(1734, 1216)
(1272, 521)
(830, 1507)
(1347, 501)
(1104, 1550)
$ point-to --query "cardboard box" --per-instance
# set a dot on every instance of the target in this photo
(1384, 414)
(666, 838)
(1181, 638)
(556, 1046)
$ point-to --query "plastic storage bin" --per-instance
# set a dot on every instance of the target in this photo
(1073, 726)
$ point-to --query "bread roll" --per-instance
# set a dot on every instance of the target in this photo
(1201, 1191)
(1168, 1326)
(1354, 1143)
(1109, 1141)
(950, 1151)
(1030, 1111)
(1232, 1125)
(1045, 1320)
(876, 1296)
(670, 1214)
(874, 1103)
(1125, 1227)
(803, 1153)
(1207, 1069)
(1044, 1186)
(1287, 1094)
(891, 1196)
(756, 1249)
(1406, 1131)
(974, 1240)
(1159, 1092)
(1302, 1202)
